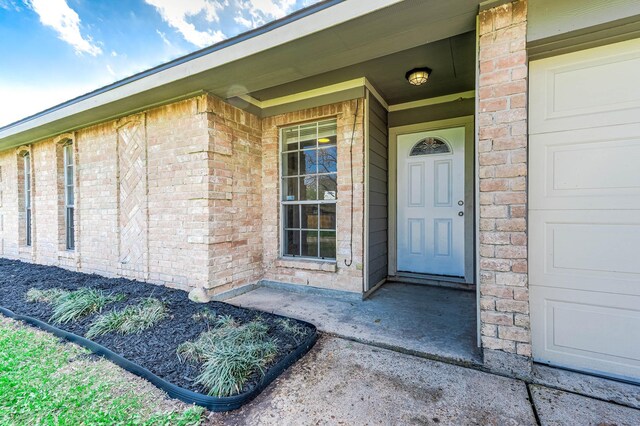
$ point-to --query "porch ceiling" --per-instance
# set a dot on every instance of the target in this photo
(451, 59)
(347, 33)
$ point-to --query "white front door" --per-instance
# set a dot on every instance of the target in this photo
(431, 202)
(584, 210)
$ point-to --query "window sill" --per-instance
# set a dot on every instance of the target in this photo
(66, 254)
(307, 264)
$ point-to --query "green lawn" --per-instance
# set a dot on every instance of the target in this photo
(46, 382)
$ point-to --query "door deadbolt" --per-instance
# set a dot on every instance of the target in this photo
(460, 213)
(460, 202)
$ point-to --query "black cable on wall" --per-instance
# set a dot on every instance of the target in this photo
(353, 133)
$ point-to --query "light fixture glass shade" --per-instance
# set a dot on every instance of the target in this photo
(418, 76)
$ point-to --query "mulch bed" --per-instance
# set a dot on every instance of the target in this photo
(155, 348)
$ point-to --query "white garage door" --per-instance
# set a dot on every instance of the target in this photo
(584, 218)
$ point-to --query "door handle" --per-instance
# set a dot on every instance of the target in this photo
(460, 213)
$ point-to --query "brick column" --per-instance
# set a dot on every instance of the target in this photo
(502, 152)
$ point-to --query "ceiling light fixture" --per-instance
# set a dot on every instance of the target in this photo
(418, 76)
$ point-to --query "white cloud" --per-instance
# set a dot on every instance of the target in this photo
(177, 13)
(65, 21)
(110, 70)
(10, 5)
(114, 53)
(253, 13)
(164, 38)
(180, 14)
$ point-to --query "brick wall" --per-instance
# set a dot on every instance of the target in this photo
(502, 150)
(318, 274)
(234, 159)
(96, 195)
(140, 190)
(9, 206)
(185, 195)
(177, 137)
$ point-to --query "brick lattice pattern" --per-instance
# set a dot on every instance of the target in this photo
(132, 198)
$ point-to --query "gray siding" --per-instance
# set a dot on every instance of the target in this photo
(435, 112)
(378, 192)
(549, 18)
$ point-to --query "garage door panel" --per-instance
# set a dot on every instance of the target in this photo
(584, 210)
(586, 89)
(585, 330)
(586, 169)
(586, 250)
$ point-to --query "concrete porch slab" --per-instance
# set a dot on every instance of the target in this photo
(349, 383)
(435, 322)
(555, 407)
(584, 384)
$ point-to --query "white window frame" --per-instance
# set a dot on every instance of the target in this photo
(26, 165)
(284, 203)
(69, 187)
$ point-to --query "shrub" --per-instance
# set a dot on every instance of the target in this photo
(207, 315)
(130, 320)
(293, 328)
(80, 303)
(45, 296)
(230, 354)
(228, 366)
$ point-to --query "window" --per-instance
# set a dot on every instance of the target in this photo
(309, 189)
(430, 146)
(68, 195)
(26, 164)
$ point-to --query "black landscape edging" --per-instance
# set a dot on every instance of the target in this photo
(212, 403)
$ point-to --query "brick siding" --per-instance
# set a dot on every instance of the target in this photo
(502, 153)
(346, 273)
(184, 195)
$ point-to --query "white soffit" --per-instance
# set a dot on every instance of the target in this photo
(470, 94)
(320, 91)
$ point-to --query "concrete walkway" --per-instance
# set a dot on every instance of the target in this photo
(341, 382)
(429, 321)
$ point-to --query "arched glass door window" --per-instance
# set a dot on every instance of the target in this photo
(430, 145)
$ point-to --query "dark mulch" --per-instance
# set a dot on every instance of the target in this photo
(154, 349)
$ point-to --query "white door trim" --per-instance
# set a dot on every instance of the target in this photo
(469, 188)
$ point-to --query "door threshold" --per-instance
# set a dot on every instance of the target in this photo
(431, 280)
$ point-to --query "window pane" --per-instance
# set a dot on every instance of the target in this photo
(327, 133)
(308, 188)
(292, 216)
(309, 216)
(430, 146)
(327, 216)
(308, 134)
(290, 189)
(68, 154)
(69, 177)
(290, 164)
(308, 226)
(310, 243)
(290, 137)
(328, 244)
(28, 226)
(327, 187)
(70, 195)
(292, 243)
(308, 162)
(328, 160)
(70, 236)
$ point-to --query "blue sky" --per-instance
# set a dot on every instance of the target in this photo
(54, 50)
